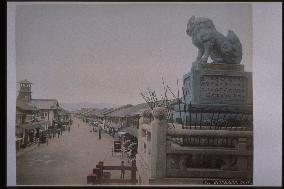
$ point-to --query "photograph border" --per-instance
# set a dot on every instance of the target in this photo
(264, 15)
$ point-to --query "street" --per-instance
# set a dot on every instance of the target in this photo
(67, 160)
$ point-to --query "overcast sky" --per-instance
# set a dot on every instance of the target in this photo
(111, 53)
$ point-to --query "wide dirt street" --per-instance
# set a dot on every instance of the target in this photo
(66, 160)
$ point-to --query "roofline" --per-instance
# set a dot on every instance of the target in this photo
(47, 109)
(27, 109)
(45, 99)
(24, 81)
(125, 115)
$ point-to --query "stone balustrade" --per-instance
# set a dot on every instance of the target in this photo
(213, 133)
(159, 157)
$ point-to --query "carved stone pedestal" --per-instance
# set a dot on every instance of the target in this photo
(218, 84)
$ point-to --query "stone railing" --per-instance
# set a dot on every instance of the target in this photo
(201, 153)
(209, 155)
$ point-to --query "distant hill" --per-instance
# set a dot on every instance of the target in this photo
(78, 106)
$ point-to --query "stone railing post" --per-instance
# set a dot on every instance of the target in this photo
(144, 119)
(158, 143)
(142, 158)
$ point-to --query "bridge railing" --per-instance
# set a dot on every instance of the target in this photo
(166, 152)
(210, 154)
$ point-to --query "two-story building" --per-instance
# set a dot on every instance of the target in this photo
(126, 118)
(47, 109)
(24, 117)
(32, 115)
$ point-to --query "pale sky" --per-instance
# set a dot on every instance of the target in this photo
(112, 52)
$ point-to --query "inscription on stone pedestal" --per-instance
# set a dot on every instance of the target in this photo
(220, 88)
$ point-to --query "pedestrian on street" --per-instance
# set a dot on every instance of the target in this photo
(113, 132)
(58, 133)
(122, 168)
(61, 130)
(100, 132)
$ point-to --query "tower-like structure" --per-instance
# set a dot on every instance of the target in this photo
(25, 92)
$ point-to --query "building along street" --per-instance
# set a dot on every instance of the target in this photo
(67, 160)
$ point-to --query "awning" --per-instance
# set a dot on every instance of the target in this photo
(121, 133)
(132, 131)
(35, 125)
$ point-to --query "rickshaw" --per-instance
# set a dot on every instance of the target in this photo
(117, 147)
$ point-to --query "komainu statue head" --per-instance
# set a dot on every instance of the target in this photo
(213, 44)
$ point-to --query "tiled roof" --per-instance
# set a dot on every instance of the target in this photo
(25, 81)
(107, 111)
(25, 105)
(129, 111)
(84, 110)
(45, 103)
(34, 125)
(96, 112)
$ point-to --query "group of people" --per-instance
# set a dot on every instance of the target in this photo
(49, 134)
(112, 131)
(129, 147)
(104, 126)
(96, 128)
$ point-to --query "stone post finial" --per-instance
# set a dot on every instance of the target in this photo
(160, 113)
(158, 143)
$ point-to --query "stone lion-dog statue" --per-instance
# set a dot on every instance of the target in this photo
(210, 42)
